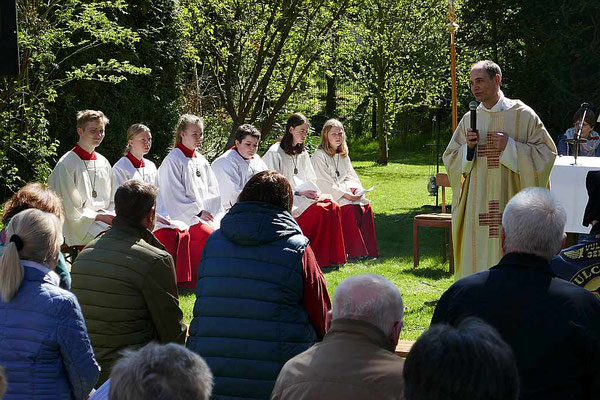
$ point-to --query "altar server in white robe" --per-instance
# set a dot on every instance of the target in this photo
(189, 191)
(84, 180)
(237, 165)
(317, 215)
(133, 165)
(337, 178)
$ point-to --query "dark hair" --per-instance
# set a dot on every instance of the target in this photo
(161, 372)
(470, 361)
(246, 130)
(287, 141)
(490, 67)
(269, 187)
(134, 199)
(590, 116)
(33, 195)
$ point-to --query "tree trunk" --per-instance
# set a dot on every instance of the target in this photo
(230, 141)
(331, 99)
(382, 157)
(374, 118)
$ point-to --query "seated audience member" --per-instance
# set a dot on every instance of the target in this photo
(133, 165)
(261, 298)
(156, 371)
(318, 216)
(125, 281)
(237, 165)
(189, 192)
(83, 179)
(580, 264)
(552, 326)
(36, 195)
(356, 358)
(44, 346)
(589, 149)
(470, 362)
(337, 178)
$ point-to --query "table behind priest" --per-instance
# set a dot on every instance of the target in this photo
(568, 185)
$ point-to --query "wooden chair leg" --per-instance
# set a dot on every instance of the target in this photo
(443, 245)
(451, 253)
(415, 245)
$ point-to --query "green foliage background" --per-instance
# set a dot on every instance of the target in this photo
(259, 60)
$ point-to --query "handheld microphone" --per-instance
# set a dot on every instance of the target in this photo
(473, 107)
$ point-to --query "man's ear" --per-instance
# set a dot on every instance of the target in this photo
(150, 219)
(563, 244)
(396, 333)
(79, 131)
(502, 239)
(498, 79)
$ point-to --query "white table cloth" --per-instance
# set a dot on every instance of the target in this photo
(568, 185)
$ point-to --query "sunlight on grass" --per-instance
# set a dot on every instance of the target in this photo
(400, 193)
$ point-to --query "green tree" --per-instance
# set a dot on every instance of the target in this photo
(548, 51)
(154, 99)
(259, 52)
(50, 34)
(404, 45)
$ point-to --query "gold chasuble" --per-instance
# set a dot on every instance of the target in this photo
(482, 187)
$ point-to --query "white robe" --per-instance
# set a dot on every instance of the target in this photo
(124, 171)
(330, 183)
(233, 172)
(184, 194)
(74, 179)
(306, 179)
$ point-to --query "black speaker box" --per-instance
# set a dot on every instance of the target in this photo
(9, 48)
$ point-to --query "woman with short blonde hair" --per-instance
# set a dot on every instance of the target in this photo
(336, 177)
(55, 359)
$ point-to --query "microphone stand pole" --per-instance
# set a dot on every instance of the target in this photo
(577, 139)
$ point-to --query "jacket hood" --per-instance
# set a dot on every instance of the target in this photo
(255, 223)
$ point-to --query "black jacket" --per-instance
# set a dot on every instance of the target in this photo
(553, 326)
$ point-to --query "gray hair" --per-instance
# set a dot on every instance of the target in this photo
(490, 67)
(370, 298)
(160, 372)
(534, 223)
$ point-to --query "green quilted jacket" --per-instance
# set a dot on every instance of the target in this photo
(125, 283)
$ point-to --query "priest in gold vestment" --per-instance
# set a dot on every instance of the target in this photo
(510, 150)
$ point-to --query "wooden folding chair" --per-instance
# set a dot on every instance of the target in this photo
(436, 220)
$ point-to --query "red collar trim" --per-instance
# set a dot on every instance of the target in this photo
(189, 153)
(236, 150)
(84, 155)
(136, 163)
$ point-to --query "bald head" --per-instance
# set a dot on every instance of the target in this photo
(370, 298)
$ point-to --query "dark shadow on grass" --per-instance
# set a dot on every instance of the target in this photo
(395, 237)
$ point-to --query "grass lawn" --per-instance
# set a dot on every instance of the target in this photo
(400, 193)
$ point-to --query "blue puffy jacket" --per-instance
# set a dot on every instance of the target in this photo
(248, 317)
(44, 346)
